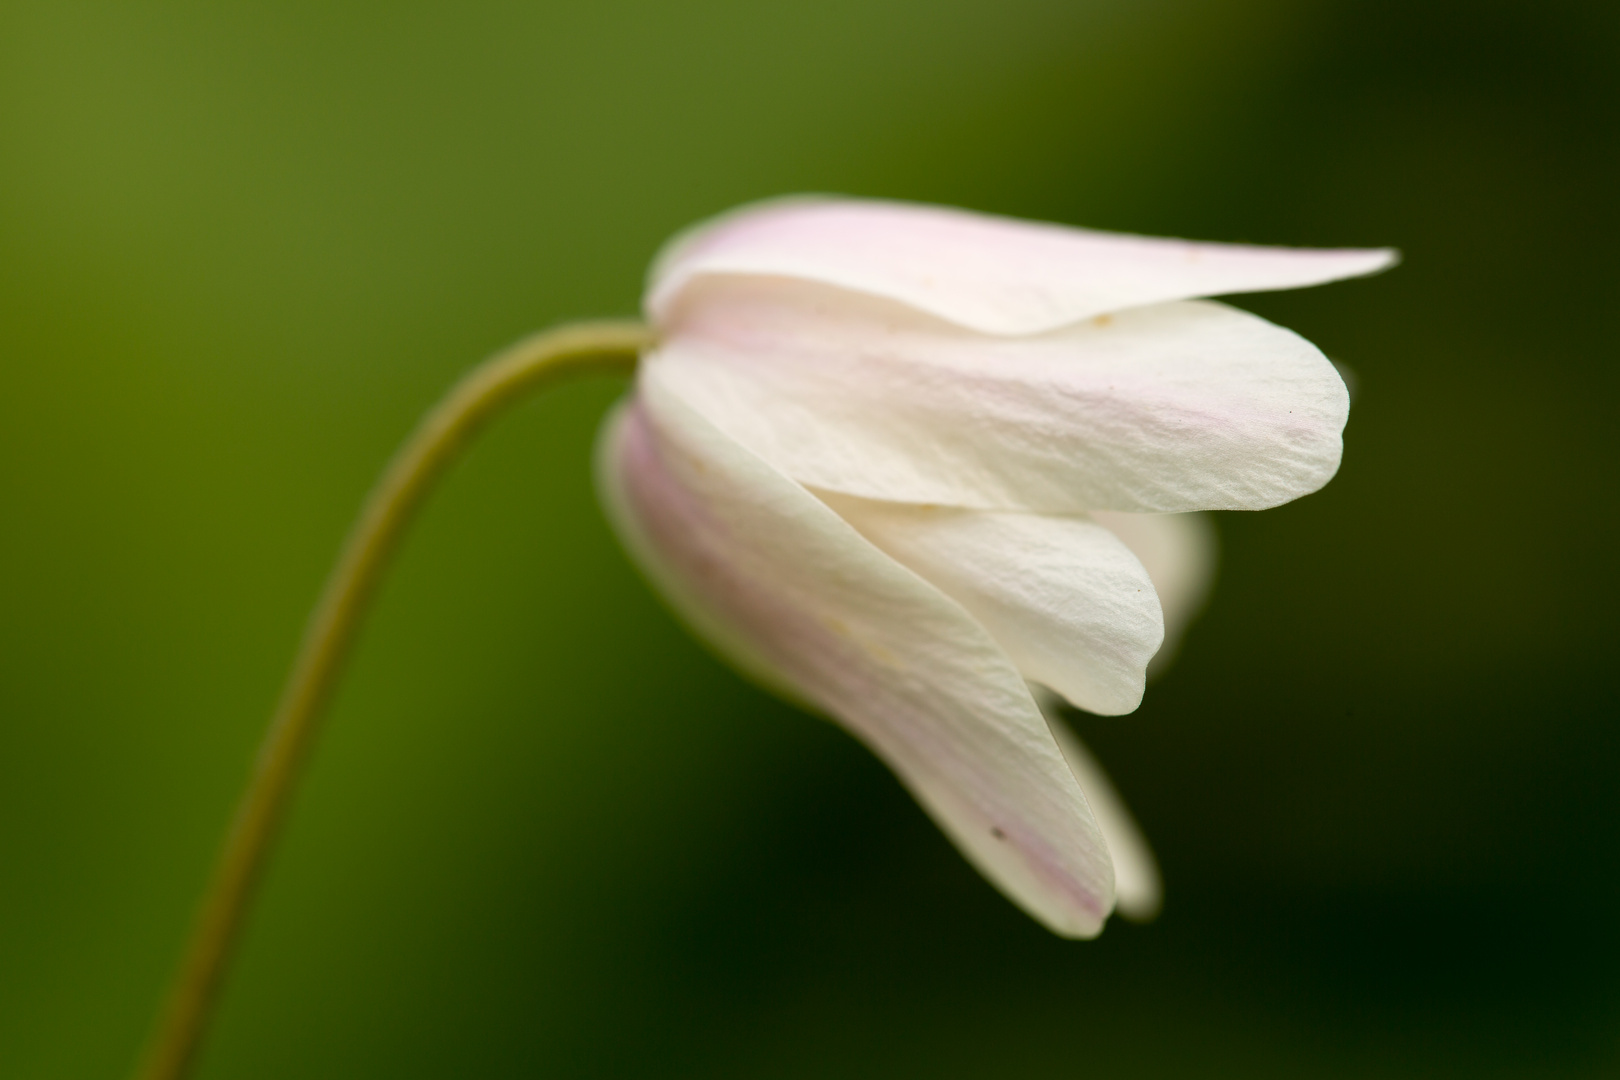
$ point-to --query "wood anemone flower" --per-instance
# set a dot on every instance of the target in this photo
(915, 467)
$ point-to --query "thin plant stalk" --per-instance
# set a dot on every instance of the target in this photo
(509, 376)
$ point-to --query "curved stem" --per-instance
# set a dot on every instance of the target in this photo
(504, 378)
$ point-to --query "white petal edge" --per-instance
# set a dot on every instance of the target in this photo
(1061, 594)
(1180, 553)
(898, 663)
(1138, 885)
(994, 274)
(1185, 406)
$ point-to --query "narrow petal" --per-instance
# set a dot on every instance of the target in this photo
(1138, 888)
(1184, 406)
(1179, 552)
(744, 549)
(993, 274)
(1065, 599)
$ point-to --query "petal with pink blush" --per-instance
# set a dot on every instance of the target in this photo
(769, 572)
(1183, 406)
(993, 274)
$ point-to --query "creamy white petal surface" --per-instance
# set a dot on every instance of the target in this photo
(1179, 552)
(903, 666)
(994, 274)
(1182, 406)
(913, 466)
(1062, 595)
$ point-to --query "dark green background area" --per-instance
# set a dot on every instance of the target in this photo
(243, 246)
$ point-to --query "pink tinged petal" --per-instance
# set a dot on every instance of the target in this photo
(740, 547)
(993, 274)
(1065, 599)
(1184, 406)
(1138, 888)
(1179, 552)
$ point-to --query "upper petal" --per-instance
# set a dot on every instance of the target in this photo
(1063, 596)
(745, 551)
(994, 274)
(1184, 406)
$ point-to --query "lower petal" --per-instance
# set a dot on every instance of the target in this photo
(777, 580)
(1138, 888)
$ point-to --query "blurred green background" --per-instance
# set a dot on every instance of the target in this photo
(243, 246)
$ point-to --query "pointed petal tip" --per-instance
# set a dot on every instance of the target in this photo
(1364, 262)
(997, 275)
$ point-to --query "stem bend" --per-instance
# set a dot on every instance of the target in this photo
(508, 376)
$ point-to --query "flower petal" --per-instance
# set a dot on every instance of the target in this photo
(993, 274)
(741, 547)
(1179, 552)
(1138, 888)
(1185, 406)
(1065, 599)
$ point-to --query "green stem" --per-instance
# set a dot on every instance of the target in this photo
(503, 379)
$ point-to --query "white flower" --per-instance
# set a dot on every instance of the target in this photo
(901, 462)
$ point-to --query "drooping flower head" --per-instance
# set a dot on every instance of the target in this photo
(915, 468)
